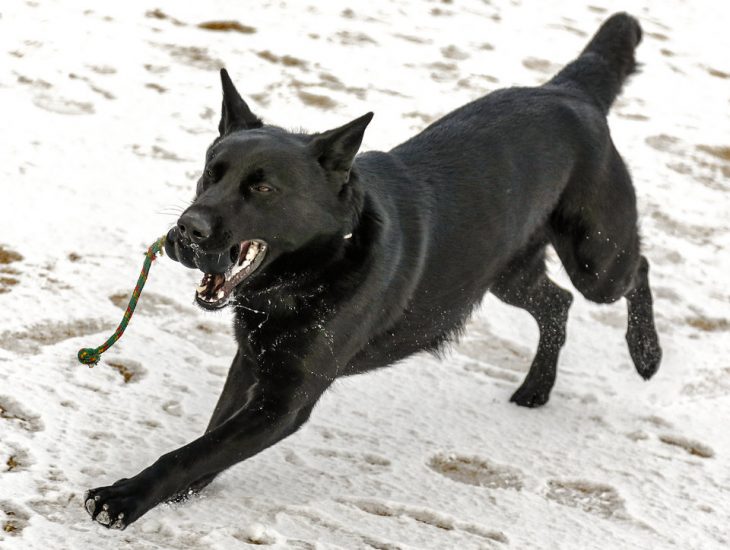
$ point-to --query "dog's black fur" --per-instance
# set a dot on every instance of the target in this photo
(372, 259)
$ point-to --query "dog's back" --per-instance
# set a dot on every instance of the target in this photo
(479, 185)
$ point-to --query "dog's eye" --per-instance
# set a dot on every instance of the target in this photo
(215, 171)
(255, 181)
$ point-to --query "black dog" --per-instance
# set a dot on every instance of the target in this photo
(337, 265)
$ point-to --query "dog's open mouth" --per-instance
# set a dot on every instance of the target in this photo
(216, 288)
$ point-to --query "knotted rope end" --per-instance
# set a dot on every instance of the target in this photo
(89, 356)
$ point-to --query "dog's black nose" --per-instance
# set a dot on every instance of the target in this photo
(195, 225)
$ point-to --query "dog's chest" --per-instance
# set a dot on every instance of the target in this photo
(272, 317)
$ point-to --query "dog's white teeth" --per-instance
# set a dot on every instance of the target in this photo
(211, 289)
(236, 270)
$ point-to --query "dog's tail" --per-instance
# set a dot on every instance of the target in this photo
(606, 62)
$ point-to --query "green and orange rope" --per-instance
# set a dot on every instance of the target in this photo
(91, 356)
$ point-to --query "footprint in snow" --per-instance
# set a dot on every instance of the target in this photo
(339, 462)
(259, 535)
(129, 370)
(55, 496)
(501, 353)
(425, 516)
(345, 437)
(594, 498)
(492, 372)
(366, 462)
(14, 458)
(173, 408)
(12, 520)
(62, 105)
(12, 411)
(476, 471)
(54, 508)
(695, 448)
(153, 304)
(48, 333)
(8, 275)
(691, 446)
(312, 519)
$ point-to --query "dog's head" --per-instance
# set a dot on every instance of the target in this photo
(264, 193)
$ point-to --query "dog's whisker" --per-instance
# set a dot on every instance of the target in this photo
(176, 209)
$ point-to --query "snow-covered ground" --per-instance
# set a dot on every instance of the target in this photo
(106, 108)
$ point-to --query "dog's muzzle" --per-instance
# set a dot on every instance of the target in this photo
(192, 256)
(223, 272)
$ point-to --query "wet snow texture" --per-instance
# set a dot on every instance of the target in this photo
(106, 110)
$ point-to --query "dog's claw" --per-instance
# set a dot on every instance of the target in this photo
(103, 518)
(90, 506)
(119, 524)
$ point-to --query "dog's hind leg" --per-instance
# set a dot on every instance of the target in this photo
(594, 231)
(641, 335)
(524, 284)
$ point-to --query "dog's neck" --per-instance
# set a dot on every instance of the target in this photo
(312, 269)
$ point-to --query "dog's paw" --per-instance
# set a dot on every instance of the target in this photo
(115, 506)
(645, 351)
(531, 395)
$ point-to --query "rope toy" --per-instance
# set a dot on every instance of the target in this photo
(91, 356)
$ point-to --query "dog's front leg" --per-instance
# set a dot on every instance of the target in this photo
(284, 396)
(236, 392)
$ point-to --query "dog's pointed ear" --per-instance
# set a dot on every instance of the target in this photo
(235, 114)
(336, 149)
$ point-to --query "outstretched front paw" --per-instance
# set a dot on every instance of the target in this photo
(116, 506)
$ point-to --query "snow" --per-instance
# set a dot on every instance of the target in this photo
(107, 109)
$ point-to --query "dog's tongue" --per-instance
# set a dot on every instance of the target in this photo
(211, 287)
